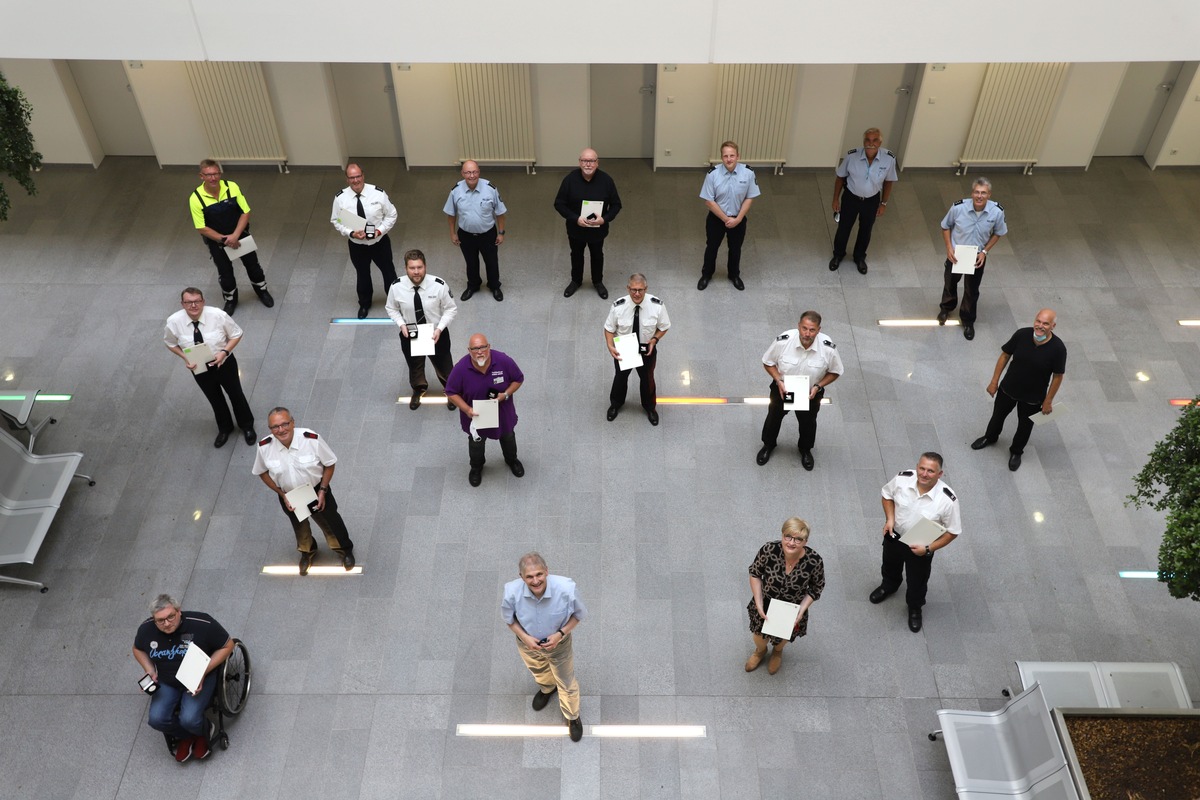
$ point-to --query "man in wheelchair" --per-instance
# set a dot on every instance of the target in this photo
(159, 646)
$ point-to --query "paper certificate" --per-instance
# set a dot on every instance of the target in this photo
(1038, 417)
(351, 220)
(487, 414)
(627, 346)
(191, 669)
(797, 387)
(781, 619)
(423, 345)
(965, 255)
(200, 355)
(592, 209)
(300, 497)
(925, 531)
(246, 246)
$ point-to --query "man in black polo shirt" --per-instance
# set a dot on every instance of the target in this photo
(1039, 359)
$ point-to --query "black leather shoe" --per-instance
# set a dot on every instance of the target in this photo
(251, 436)
(575, 726)
(475, 476)
(879, 595)
(265, 297)
(942, 317)
(764, 455)
(1014, 462)
(348, 561)
(517, 467)
(834, 263)
(737, 284)
(806, 459)
(570, 290)
(542, 699)
(450, 404)
(914, 620)
(981, 443)
(612, 412)
(229, 307)
(306, 560)
(968, 332)
(861, 263)
(652, 415)
(467, 294)
(601, 290)
(362, 311)
(221, 439)
(414, 402)
(702, 284)
(499, 295)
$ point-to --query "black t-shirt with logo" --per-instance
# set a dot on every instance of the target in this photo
(1032, 366)
(166, 650)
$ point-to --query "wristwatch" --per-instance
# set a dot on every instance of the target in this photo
(928, 552)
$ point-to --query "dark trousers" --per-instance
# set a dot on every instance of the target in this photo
(1003, 406)
(596, 248)
(474, 245)
(508, 446)
(620, 384)
(225, 276)
(970, 301)
(212, 381)
(807, 420)
(361, 256)
(715, 231)
(442, 363)
(898, 559)
(328, 520)
(855, 209)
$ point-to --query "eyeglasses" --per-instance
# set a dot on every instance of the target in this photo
(282, 426)
(210, 174)
(354, 177)
(167, 620)
(470, 172)
(199, 302)
(589, 161)
(479, 349)
(795, 539)
(636, 289)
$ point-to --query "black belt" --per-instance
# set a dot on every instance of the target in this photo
(864, 199)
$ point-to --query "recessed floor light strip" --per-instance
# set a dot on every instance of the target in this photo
(916, 323)
(365, 321)
(1137, 573)
(1180, 401)
(440, 399)
(599, 731)
(41, 398)
(292, 569)
(1189, 323)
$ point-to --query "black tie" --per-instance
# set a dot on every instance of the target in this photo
(361, 212)
(197, 337)
(637, 323)
(420, 309)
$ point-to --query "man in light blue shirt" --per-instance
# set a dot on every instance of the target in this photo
(976, 220)
(728, 191)
(860, 193)
(542, 610)
(476, 216)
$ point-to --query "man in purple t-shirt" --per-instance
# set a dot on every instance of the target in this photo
(486, 374)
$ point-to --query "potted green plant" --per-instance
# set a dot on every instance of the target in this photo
(18, 159)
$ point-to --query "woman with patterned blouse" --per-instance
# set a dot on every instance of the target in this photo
(785, 570)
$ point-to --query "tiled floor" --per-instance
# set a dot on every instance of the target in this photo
(359, 682)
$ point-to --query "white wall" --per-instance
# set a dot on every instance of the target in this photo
(168, 105)
(306, 112)
(111, 108)
(62, 130)
(942, 111)
(1083, 107)
(562, 110)
(1176, 140)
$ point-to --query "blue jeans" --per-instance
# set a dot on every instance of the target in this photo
(190, 721)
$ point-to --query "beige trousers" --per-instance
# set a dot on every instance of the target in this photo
(555, 668)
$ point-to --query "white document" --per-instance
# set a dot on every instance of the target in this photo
(591, 207)
(924, 532)
(965, 255)
(487, 414)
(191, 669)
(423, 345)
(797, 386)
(200, 355)
(781, 619)
(300, 497)
(627, 346)
(246, 246)
(1039, 418)
(351, 220)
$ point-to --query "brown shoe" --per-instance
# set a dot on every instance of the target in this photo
(775, 660)
(755, 659)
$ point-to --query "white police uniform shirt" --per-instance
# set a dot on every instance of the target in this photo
(216, 327)
(730, 189)
(379, 212)
(790, 357)
(970, 227)
(653, 317)
(439, 305)
(475, 210)
(866, 179)
(938, 504)
(302, 464)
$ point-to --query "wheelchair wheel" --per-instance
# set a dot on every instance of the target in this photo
(234, 686)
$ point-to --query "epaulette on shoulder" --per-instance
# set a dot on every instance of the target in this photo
(618, 302)
(748, 167)
(949, 493)
(885, 151)
(715, 167)
(960, 202)
(655, 300)
(783, 337)
(999, 206)
(852, 151)
(439, 280)
(905, 473)
(310, 435)
(494, 186)
(264, 442)
(829, 344)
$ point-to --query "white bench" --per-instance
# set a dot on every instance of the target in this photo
(1107, 684)
(16, 413)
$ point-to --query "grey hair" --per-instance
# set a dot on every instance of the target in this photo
(982, 182)
(533, 559)
(161, 602)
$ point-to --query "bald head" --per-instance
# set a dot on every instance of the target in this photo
(480, 350)
(470, 173)
(1043, 325)
(588, 162)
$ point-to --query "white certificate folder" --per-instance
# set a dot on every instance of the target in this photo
(191, 669)
(423, 345)
(200, 355)
(964, 256)
(924, 532)
(592, 208)
(797, 387)
(627, 346)
(246, 246)
(487, 414)
(300, 498)
(781, 619)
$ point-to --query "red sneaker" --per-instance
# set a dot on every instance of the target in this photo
(200, 748)
(183, 751)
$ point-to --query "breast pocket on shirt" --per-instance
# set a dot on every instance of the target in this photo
(306, 459)
(789, 362)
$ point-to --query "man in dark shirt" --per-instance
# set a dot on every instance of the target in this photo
(587, 230)
(1039, 359)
